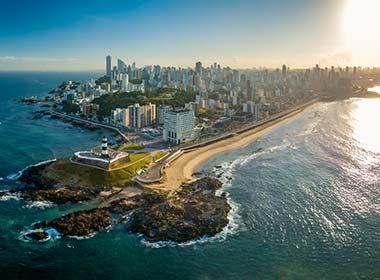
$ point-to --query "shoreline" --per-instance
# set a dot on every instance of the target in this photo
(182, 169)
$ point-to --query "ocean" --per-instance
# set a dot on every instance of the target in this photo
(305, 197)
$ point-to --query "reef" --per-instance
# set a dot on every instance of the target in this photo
(195, 210)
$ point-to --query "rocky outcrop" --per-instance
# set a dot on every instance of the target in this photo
(34, 176)
(39, 187)
(80, 223)
(124, 205)
(192, 212)
(38, 235)
(63, 195)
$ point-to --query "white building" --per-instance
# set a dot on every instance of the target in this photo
(253, 108)
(120, 117)
(161, 110)
(124, 82)
(179, 126)
(136, 87)
(141, 116)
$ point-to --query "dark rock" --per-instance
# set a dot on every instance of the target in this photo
(34, 176)
(62, 195)
(123, 205)
(37, 235)
(192, 212)
(81, 223)
(42, 188)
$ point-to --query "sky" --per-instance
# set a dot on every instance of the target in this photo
(77, 35)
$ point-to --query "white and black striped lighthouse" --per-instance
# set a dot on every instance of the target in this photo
(104, 147)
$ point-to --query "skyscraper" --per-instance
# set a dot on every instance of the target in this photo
(121, 65)
(108, 65)
(284, 71)
(178, 126)
(198, 68)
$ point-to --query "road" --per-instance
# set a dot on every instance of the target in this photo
(91, 123)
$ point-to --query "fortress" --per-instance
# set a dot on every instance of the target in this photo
(106, 159)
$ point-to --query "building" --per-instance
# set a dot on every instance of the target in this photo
(90, 109)
(105, 158)
(120, 117)
(141, 116)
(252, 108)
(108, 65)
(198, 68)
(179, 126)
(121, 66)
(161, 113)
(124, 82)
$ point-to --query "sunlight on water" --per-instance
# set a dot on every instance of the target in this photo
(366, 124)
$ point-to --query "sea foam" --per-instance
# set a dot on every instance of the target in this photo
(53, 234)
(39, 204)
(10, 196)
(17, 175)
(223, 173)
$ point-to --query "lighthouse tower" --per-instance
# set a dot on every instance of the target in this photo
(104, 147)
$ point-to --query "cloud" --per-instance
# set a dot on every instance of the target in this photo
(36, 59)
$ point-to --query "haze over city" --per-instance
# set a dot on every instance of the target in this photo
(39, 35)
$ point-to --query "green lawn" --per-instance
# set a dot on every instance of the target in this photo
(71, 174)
(129, 146)
(159, 155)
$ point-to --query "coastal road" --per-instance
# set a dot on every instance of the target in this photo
(110, 127)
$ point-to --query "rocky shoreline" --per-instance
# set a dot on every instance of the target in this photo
(38, 187)
(193, 211)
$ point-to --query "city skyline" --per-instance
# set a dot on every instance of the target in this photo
(242, 34)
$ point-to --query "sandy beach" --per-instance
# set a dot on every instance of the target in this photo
(182, 169)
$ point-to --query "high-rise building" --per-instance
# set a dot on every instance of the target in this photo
(256, 111)
(198, 68)
(249, 90)
(161, 113)
(120, 117)
(124, 82)
(121, 66)
(108, 65)
(141, 116)
(284, 71)
(178, 126)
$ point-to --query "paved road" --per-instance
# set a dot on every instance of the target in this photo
(91, 123)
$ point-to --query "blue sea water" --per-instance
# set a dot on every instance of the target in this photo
(306, 201)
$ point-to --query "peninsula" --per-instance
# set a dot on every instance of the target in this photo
(164, 132)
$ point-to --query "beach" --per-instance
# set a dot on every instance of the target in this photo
(183, 168)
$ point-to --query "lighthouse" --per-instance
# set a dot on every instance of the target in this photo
(104, 147)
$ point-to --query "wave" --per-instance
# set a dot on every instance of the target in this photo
(39, 204)
(52, 234)
(17, 175)
(91, 235)
(9, 196)
(223, 173)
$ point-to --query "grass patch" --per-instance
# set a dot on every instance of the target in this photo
(159, 155)
(71, 174)
(129, 146)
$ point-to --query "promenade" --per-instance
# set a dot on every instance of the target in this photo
(155, 173)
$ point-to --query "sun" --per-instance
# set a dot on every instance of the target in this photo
(361, 30)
